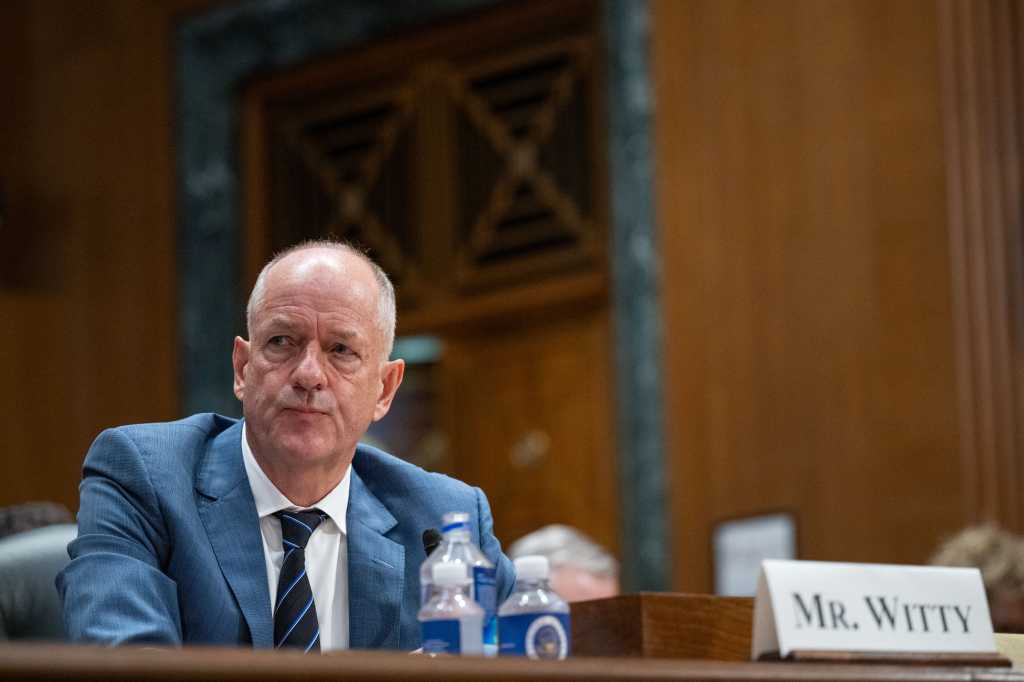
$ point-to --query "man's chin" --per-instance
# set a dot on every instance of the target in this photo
(300, 446)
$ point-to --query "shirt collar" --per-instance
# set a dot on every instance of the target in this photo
(270, 500)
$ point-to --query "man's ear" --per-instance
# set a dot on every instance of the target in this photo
(239, 359)
(390, 379)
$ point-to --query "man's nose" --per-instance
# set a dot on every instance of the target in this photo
(309, 374)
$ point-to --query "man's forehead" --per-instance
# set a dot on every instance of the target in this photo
(288, 317)
(329, 280)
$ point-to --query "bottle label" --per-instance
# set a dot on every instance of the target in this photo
(535, 635)
(485, 594)
(441, 637)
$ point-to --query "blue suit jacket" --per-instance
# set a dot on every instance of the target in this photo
(169, 549)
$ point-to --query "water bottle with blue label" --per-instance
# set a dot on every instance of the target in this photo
(457, 546)
(451, 622)
(534, 620)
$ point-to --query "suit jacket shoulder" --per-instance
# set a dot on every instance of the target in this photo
(146, 566)
(418, 498)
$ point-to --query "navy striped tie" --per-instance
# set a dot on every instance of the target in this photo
(295, 623)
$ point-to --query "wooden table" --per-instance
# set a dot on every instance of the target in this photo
(646, 636)
(68, 662)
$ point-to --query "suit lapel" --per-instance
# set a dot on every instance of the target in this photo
(376, 571)
(228, 511)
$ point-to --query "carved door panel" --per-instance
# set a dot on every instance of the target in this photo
(468, 160)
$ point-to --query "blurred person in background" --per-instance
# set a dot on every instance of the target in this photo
(33, 548)
(999, 555)
(581, 569)
(20, 518)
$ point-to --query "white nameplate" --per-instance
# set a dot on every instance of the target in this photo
(820, 606)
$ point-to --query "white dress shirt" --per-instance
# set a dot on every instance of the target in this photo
(326, 553)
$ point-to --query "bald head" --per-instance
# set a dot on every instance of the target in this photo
(303, 258)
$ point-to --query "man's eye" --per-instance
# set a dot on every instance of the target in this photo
(341, 349)
(279, 340)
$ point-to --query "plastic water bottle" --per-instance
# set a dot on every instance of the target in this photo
(457, 546)
(534, 620)
(451, 622)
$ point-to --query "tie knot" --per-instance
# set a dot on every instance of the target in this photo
(297, 527)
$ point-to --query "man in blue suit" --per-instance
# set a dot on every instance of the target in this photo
(279, 529)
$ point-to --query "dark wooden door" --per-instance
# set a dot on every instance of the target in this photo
(468, 159)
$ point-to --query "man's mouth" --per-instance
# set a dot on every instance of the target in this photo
(304, 410)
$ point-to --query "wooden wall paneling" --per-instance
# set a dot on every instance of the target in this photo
(19, 259)
(807, 317)
(18, 309)
(983, 86)
(914, 430)
(93, 344)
